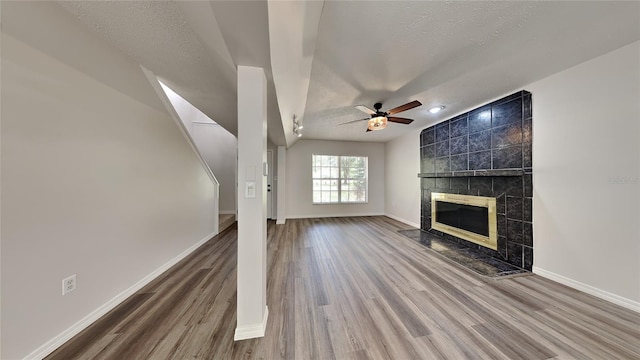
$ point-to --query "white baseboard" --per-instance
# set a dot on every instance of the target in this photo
(48, 347)
(252, 331)
(616, 299)
(313, 216)
(415, 225)
(227, 212)
(280, 221)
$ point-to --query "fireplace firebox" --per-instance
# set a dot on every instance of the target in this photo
(472, 218)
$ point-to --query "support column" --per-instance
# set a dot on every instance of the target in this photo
(282, 184)
(252, 203)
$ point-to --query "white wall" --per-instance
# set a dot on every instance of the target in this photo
(219, 149)
(401, 182)
(252, 312)
(217, 146)
(281, 185)
(299, 186)
(586, 136)
(97, 179)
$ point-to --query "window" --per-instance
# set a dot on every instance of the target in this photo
(339, 179)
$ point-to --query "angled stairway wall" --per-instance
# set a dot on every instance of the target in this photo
(217, 146)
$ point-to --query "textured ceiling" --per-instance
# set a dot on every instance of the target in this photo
(193, 49)
(458, 54)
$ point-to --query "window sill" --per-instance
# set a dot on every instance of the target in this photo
(341, 203)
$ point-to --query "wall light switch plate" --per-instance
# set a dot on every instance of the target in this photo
(250, 189)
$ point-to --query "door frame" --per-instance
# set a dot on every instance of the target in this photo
(270, 187)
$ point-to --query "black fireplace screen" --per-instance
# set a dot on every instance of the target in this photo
(467, 217)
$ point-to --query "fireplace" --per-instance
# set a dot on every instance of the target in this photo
(484, 152)
(472, 218)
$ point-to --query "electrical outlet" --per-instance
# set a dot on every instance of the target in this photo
(68, 284)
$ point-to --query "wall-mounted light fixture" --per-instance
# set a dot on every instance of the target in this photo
(297, 126)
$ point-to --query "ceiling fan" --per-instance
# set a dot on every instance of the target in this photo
(378, 119)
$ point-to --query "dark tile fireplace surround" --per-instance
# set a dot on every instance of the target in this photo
(485, 152)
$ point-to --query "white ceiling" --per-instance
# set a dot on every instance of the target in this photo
(322, 58)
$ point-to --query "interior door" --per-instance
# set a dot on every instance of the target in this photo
(269, 184)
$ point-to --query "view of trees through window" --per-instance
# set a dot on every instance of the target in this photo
(339, 179)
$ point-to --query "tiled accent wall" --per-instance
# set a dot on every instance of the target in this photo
(495, 136)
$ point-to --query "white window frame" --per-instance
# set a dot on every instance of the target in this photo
(333, 170)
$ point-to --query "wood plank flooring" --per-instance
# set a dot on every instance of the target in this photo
(225, 220)
(353, 288)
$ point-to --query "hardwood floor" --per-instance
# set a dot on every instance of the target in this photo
(353, 288)
(225, 220)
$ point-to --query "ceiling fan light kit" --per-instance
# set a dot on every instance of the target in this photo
(377, 123)
(378, 119)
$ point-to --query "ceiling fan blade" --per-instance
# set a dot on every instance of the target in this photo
(350, 122)
(399, 120)
(405, 107)
(365, 109)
